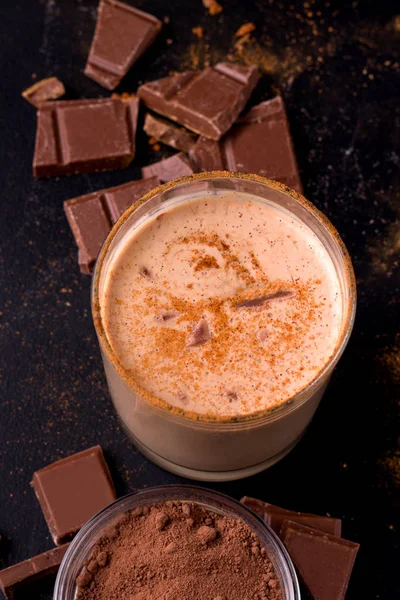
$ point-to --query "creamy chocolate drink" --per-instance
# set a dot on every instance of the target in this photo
(222, 305)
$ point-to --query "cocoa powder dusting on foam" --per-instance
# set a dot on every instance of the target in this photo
(196, 554)
(276, 341)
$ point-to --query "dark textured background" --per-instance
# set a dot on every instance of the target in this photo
(338, 71)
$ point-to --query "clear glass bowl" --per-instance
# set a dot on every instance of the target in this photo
(81, 546)
(237, 447)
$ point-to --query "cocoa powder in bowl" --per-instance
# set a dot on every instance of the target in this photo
(178, 551)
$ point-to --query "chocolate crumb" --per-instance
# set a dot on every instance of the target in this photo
(213, 7)
(207, 534)
(44, 90)
(93, 566)
(161, 520)
(84, 578)
(172, 547)
(245, 29)
(102, 559)
(198, 31)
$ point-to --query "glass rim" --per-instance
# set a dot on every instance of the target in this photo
(277, 553)
(226, 421)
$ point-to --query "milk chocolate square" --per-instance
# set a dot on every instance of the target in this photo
(72, 490)
(324, 562)
(80, 136)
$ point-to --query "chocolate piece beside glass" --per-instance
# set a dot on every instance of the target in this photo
(170, 168)
(80, 136)
(274, 516)
(91, 216)
(123, 33)
(324, 561)
(259, 142)
(72, 490)
(30, 570)
(207, 102)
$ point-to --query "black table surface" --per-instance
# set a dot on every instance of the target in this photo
(337, 67)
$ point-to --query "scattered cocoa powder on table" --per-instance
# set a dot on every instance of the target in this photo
(178, 551)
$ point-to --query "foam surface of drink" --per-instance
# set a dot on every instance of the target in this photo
(222, 305)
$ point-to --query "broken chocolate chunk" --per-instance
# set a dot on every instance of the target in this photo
(37, 567)
(170, 168)
(207, 102)
(206, 155)
(123, 33)
(44, 90)
(259, 142)
(168, 133)
(200, 336)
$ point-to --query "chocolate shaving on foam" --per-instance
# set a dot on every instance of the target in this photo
(165, 316)
(146, 273)
(200, 336)
(261, 301)
(262, 335)
(232, 395)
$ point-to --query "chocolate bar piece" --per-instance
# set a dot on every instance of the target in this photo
(169, 134)
(27, 571)
(274, 516)
(122, 35)
(261, 143)
(44, 90)
(207, 102)
(258, 143)
(91, 216)
(170, 168)
(207, 155)
(72, 490)
(79, 136)
(324, 562)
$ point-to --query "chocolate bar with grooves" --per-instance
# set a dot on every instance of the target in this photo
(80, 136)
